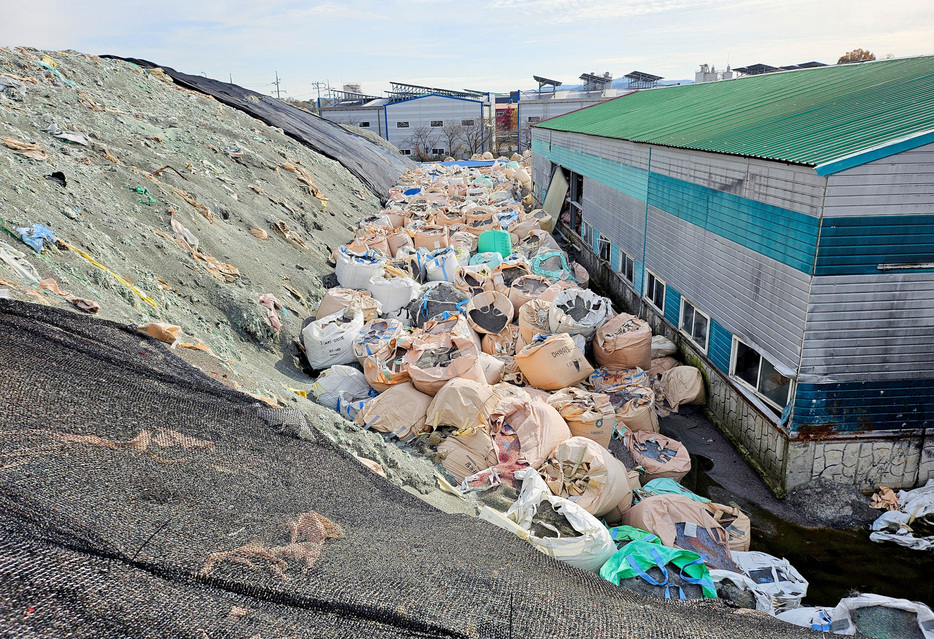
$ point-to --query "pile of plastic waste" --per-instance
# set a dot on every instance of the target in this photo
(460, 328)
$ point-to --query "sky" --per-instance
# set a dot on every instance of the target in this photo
(487, 45)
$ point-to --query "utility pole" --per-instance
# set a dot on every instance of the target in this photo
(277, 85)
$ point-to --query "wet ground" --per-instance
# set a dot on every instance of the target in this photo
(835, 562)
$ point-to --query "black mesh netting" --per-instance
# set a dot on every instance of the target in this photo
(140, 498)
(377, 167)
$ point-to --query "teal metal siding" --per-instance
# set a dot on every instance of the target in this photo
(622, 177)
(785, 236)
(857, 245)
(719, 347)
(639, 276)
(860, 406)
(614, 257)
(672, 306)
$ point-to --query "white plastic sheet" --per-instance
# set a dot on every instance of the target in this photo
(895, 525)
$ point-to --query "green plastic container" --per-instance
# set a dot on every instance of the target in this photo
(495, 242)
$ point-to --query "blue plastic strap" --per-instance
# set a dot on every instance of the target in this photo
(680, 591)
(460, 305)
(823, 623)
(696, 581)
(645, 575)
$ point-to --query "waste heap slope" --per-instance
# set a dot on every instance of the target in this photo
(141, 498)
(377, 166)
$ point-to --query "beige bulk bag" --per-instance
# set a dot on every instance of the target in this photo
(400, 410)
(374, 238)
(544, 219)
(533, 320)
(736, 524)
(502, 343)
(432, 363)
(337, 299)
(431, 237)
(527, 288)
(397, 240)
(464, 239)
(535, 241)
(585, 472)
(635, 408)
(663, 515)
(481, 220)
(511, 371)
(473, 280)
(539, 427)
(493, 368)
(489, 312)
(467, 454)
(396, 218)
(660, 456)
(660, 365)
(443, 217)
(552, 362)
(581, 276)
(506, 390)
(451, 325)
(578, 312)
(508, 272)
(683, 385)
(662, 346)
(386, 369)
(623, 341)
(463, 404)
(376, 337)
(587, 414)
(522, 229)
(548, 295)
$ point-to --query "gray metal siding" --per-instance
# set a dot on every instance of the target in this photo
(795, 188)
(901, 184)
(870, 327)
(617, 216)
(760, 300)
(420, 113)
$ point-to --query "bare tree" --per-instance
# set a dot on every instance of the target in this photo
(422, 141)
(454, 139)
(478, 136)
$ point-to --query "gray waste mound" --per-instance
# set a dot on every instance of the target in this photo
(141, 498)
(377, 166)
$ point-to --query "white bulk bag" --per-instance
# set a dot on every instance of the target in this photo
(336, 379)
(393, 293)
(441, 265)
(589, 551)
(354, 270)
(329, 340)
(595, 311)
(776, 577)
(843, 623)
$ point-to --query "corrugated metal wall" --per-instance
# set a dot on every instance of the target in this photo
(420, 112)
(357, 115)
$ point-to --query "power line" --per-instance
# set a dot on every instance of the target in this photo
(278, 96)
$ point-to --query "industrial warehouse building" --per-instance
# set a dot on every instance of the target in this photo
(780, 228)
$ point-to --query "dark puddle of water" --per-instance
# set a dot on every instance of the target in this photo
(835, 562)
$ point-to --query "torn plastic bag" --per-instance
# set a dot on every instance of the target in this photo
(642, 559)
(36, 235)
(348, 406)
(401, 411)
(329, 340)
(743, 592)
(393, 293)
(489, 312)
(660, 456)
(907, 525)
(337, 379)
(465, 240)
(490, 260)
(588, 549)
(553, 362)
(337, 299)
(578, 311)
(610, 380)
(494, 368)
(433, 362)
(535, 241)
(585, 472)
(354, 270)
(376, 337)
(623, 341)
(525, 289)
(463, 404)
(882, 617)
(684, 523)
(774, 576)
(467, 454)
(736, 524)
(539, 426)
(587, 414)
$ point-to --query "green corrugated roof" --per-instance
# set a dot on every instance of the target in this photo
(809, 116)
